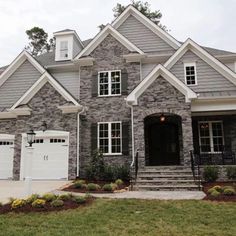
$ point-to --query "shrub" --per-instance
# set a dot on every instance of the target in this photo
(218, 188)
(79, 184)
(79, 200)
(48, 197)
(38, 203)
(210, 190)
(231, 172)
(107, 187)
(11, 200)
(119, 182)
(92, 187)
(215, 193)
(32, 198)
(64, 197)
(226, 187)
(210, 173)
(17, 203)
(114, 186)
(229, 191)
(57, 203)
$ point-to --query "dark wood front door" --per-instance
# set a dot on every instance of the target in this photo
(163, 144)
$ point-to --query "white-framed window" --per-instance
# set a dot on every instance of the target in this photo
(211, 136)
(64, 49)
(109, 83)
(109, 138)
(190, 73)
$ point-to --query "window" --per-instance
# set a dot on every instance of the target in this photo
(5, 143)
(64, 49)
(190, 73)
(38, 141)
(109, 137)
(211, 136)
(57, 140)
(109, 83)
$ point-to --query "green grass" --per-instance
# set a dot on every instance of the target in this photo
(128, 217)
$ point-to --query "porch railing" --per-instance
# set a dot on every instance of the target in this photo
(195, 170)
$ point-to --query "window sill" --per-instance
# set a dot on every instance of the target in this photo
(112, 95)
(112, 154)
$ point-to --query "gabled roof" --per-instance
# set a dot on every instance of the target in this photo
(205, 56)
(24, 55)
(130, 10)
(46, 77)
(160, 70)
(102, 35)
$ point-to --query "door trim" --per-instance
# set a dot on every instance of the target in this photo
(41, 134)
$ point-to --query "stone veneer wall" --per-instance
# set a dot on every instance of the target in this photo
(44, 108)
(162, 97)
(108, 56)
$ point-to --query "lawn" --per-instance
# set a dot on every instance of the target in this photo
(128, 217)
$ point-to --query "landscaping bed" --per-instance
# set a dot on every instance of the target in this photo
(45, 203)
(216, 191)
(97, 186)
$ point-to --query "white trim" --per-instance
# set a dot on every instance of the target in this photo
(70, 109)
(101, 36)
(46, 77)
(187, 64)
(210, 134)
(130, 10)
(85, 61)
(18, 61)
(9, 114)
(235, 66)
(41, 134)
(109, 83)
(159, 70)
(7, 137)
(205, 56)
(109, 137)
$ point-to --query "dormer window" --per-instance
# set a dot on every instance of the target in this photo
(190, 73)
(64, 49)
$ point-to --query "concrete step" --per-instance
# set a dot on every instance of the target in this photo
(166, 172)
(166, 168)
(164, 182)
(192, 187)
(167, 177)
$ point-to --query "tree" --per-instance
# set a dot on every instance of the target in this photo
(143, 7)
(39, 41)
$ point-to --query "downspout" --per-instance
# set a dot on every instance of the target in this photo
(132, 132)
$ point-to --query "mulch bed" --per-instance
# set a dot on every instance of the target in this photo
(220, 198)
(69, 204)
(71, 188)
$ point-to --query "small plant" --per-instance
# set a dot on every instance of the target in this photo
(57, 203)
(114, 186)
(48, 197)
(218, 188)
(11, 200)
(210, 173)
(229, 191)
(17, 203)
(64, 197)
(119, 182)
(231, 172)
(93, 187)
(215, 194)
(32, 198)
(79, 184)
(38, 203)
(80, 200)
(107, 187)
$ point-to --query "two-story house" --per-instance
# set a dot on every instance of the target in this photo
(133, 87)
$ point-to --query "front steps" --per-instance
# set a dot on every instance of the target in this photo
(161, 178)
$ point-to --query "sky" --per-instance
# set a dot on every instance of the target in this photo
(208, 22)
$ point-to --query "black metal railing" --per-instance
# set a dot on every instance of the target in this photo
(195, 170)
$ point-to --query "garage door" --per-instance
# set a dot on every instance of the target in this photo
(50, 158)
(6, 156)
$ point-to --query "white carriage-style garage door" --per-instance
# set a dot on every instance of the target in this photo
(50, 157)
(6, 156)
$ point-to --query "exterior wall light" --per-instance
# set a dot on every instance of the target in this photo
(162, 118)
(31, 137)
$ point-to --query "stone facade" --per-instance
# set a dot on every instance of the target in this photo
(107, 56)
(162, 97)
(44, 108)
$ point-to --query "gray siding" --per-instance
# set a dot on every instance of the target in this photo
(208, 79)
(143, 37)
(76, 47)
(69, 80)
(231, 66)
(146, 69)
(18, 83)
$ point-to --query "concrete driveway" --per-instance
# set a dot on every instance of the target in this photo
(15, 189)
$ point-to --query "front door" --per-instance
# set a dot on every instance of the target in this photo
(163, 144)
